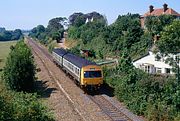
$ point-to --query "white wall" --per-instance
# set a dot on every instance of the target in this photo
(150, 60)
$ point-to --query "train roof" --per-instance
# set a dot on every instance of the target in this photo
(60, 51)
(78, 61)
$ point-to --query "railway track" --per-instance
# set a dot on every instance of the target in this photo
(36, 49)
(109, 109)
(112, 111)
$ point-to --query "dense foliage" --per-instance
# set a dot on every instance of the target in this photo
(155, 24)
(10, 35)
(19, 72)
(125, 34)
(22, 107)
(155, 96)
(54, 30)
(170, 38)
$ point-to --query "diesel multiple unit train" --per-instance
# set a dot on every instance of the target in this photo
(86, 73)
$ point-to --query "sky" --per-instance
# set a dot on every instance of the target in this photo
(26, 14)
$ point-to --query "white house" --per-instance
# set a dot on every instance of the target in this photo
(150, 64)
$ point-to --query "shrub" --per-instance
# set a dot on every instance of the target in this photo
(19, 106)
(5, 113)
(155, 96)
(19, 71)
(27, 108)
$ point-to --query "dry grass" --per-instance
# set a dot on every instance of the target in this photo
(69, 43)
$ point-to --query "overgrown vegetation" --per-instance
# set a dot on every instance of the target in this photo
(155, 96)
(125, 34)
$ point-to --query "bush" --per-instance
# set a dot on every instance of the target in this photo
(5, 113)
(22, 107)
(27, 107)
(155, 96)
(19, 71)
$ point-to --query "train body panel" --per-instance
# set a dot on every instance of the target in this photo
(72, 69)
(58, 56)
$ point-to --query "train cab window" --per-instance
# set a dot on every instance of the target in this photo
(92, 74)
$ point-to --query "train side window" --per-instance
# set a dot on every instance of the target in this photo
(78, 71)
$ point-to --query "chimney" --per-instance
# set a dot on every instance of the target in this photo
(151, 8)
(165, 7)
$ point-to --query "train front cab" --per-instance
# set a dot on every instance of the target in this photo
(91, 75)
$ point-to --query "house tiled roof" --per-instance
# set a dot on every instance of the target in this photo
(158, 12)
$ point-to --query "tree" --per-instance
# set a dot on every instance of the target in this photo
(40, 28)
(7, 35)
(2, 29)
(16, 34)
(19, 72)
(155, 24)
(55, 28)
(79, 21)
(56, 24)
(170, 43)
(170, 38)
(73, 17)
(10, 35)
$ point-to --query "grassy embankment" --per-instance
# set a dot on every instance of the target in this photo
(69, 43)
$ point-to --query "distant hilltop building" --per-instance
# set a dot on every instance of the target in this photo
(89, 20)
(157, 12)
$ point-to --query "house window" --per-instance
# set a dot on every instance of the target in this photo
(147, 69)
(168, 70)
(158, 70)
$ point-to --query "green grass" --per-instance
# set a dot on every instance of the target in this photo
(4, 51)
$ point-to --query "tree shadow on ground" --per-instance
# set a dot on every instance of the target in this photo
(42, 89)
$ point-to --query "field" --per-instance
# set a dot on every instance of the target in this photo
(4, 51)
